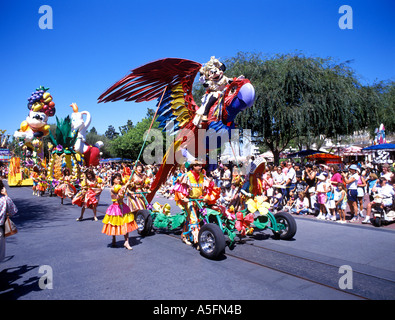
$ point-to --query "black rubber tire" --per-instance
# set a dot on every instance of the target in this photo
(211, 241)
(376, 222)
(290, 225)
(144, 222)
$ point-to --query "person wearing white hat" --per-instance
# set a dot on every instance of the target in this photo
(351, 179)
(322, 190)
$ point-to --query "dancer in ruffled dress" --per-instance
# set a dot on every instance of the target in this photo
(119, 220)
(65, 188)
(91, 188)
(34, 176)
(137, 184)
(42, 183)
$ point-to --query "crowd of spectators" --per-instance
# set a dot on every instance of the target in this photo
(327, 192)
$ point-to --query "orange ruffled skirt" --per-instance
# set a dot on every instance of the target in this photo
(135, 203)
(119, 220)
(65, 190)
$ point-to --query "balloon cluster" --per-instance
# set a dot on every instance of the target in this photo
(41, 101)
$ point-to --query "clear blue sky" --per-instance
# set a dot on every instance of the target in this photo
(95, 43)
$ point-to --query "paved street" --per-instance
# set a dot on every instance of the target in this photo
(161, 267)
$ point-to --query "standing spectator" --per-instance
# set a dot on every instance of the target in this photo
(310, 178)
(290, 180)
(7, 207)
(330, 203)
(216, 175)
(298, 169)
(351, 179)
(322, 190)
(278, 176)
(371, 182)
(361, 185)
(267, 182)
(341, 202)
(284, 167)
(336, 175)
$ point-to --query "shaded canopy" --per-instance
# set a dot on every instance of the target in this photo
(303, 153)
(327, 157)
(383, 146)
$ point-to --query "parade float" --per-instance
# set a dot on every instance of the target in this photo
(62, 151)
(68, 147)
(30, 138)
(170, 82)
(79, 125)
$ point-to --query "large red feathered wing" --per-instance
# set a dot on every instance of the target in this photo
(173, 76)
(148, 81)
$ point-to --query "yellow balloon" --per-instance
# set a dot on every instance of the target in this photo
(37, 106)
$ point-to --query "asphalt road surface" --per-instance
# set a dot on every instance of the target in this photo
(55, 257)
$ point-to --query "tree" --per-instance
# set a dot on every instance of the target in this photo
(111, 133)
(298, 96)
(380, 99)
(130, 144)
(125, 129)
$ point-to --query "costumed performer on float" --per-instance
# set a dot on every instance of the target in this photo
(119, 220)
(252, 194)
(88, 197)
(213, 79)
(65, 188)
(193, 185)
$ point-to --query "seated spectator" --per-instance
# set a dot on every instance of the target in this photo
(301, 205)
(383, 191)
(223, 198)
(276, 200)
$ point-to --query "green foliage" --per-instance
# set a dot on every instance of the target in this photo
(380, 99)
(298, 96)
(63, 135)
(124, 129)
(129, 144)
(111, 133)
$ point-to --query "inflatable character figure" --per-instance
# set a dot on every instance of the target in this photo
(170, 82)
(213, 79)
(35, 127)
(91, 153)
